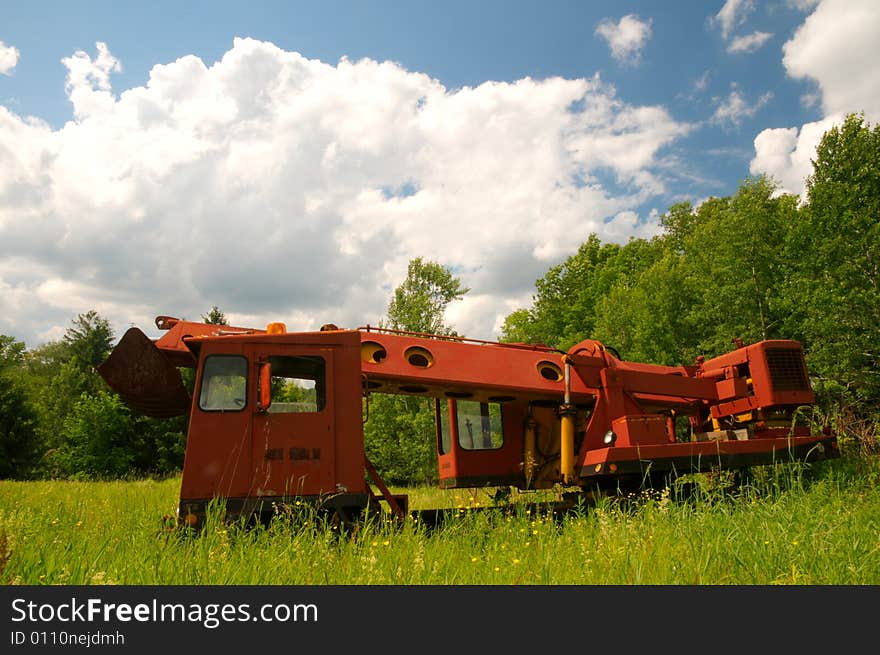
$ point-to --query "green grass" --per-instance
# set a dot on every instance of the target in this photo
(819, 525)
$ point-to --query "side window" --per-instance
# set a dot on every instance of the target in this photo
(224, 384)
(479, 425)
(299, 384)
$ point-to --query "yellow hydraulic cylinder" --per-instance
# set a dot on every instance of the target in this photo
(566, 432)
(566, 449)
(529, 460)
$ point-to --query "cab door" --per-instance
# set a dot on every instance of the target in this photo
(478, 444)
(293, 437)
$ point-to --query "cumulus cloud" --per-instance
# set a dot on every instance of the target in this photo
(835, 48)
(8, 58)
(734, 108)
(731, 15)
(283, 188)
(750, 42)
(626, 38)
(88, 81)
(787, 153)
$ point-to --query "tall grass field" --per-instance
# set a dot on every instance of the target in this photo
(788, 525)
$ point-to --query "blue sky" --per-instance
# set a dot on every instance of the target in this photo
(655, 102)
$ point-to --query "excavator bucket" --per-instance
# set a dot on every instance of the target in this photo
(145, 377)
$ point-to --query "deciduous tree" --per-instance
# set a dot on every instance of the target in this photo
(833, 290)
(399, 435)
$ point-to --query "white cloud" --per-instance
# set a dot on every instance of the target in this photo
(802, 5)
(835, 47)
(750, 42)
(626, 38)
(283, 188)
(787, 153)
(734, 108)
(88, 81)
(731, 15)
(8, 58)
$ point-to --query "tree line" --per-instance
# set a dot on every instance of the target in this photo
(760, 264)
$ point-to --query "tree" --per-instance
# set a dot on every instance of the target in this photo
(89, 339)
(399, 438)
(678, 224)
(158, 445)
(733, 252)
(420, 302)
(12, 352)
(519, 327)
(399, 435)
(19, 445)
(833, 289)
(565, 309)
(215, 317)
(652, 318)
(99, 432)
(62, 371)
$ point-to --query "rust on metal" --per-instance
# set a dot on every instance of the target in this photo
(144, 377)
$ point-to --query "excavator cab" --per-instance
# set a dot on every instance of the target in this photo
(273, 416)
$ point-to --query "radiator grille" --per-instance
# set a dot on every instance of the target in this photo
(787, 370)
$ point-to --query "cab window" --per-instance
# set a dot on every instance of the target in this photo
(224, 384)
(298, 384)
(479, 425)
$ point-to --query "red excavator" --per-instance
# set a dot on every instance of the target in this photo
(277, 416)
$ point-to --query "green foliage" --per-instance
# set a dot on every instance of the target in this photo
(399, 438)
(399, 435)
(88, 339)
(63, 391)
(19, 447)
(651, 319)
(734, 253)
(12, 353)
(566, 308)
(833, 293)
(420, 301)
(215, 317)
(103, 439)
(159, 445)
(60, 419)
(520, 327)
(98, 433)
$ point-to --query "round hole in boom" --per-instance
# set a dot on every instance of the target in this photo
(550, 371)
(412, 388)
(419, 357)
(372, 352)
